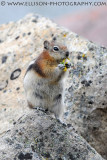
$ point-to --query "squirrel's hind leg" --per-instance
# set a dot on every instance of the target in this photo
(58, 109)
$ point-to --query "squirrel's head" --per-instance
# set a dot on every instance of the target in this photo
(56, 50)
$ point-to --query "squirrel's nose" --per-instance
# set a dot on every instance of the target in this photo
(67, 54)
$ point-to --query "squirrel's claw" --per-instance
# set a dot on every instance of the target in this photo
(61, 66)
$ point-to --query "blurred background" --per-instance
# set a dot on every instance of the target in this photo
(85, 20)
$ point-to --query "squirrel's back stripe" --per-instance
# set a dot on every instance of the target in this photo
(41, 64)
(37, 69)
(29, 68)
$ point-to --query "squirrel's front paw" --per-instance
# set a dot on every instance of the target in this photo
(61, 66)
(67, 64)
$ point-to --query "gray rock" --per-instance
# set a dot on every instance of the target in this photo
(37, 136)
(88, 93)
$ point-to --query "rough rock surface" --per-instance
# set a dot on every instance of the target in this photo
(88, 99)
(86, 92)
(37, 136)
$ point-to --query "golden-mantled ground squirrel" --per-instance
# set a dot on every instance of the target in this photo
(44, 78)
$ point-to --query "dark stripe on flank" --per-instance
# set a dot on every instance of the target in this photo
(29, 68)
(36, 68)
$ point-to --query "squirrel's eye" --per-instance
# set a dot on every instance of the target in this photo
(55, 48)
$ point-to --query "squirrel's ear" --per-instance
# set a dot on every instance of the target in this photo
(46, 44)
(54, 39)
